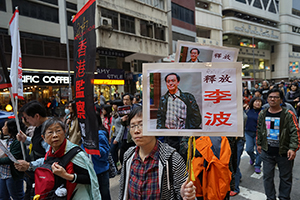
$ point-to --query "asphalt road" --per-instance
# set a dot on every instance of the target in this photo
(251, 184)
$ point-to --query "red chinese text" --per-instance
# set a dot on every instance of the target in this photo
(217, 96)
(80, 109)
(82, 48)
(217, 119)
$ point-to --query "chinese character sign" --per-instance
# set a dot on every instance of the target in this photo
(196, 52)
(193, 99)
(84, 65)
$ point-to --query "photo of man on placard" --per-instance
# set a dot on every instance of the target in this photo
(179, 109)
(195, 55)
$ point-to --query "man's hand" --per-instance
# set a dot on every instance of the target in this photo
(21, 136)
(188, 191)
(124, 118)
(22, 166)
(259, 149)
(115, 142)
(291, 155)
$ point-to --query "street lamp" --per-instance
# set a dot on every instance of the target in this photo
(253, 54)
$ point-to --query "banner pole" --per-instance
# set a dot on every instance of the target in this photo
(15, 107)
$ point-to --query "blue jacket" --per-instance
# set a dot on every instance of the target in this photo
(101, 162)
(251, 124)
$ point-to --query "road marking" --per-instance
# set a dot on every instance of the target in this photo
(257, 176)
(251, 194)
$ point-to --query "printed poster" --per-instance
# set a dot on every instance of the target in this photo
(198, 53)
(192, 99)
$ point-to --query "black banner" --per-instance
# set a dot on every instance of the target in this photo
(4, 77)
(84, 66)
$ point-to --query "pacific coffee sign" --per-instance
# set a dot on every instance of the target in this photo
(296, 29)
(46, 79)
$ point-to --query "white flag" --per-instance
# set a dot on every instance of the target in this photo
(16, 59)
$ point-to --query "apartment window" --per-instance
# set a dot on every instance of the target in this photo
(159, 32)
(111, 15)
(159, 4)
(50, 1)
(146, 28)
(2, 5)
(34, 47)
(37, 11)
(71, 6)
(265, 2)
(51, 49)
(272, 49)
(272, 7)
(203, 5)
(241, 1)
(296, 48)
(296, 12)
(108, 62)
(272, 68)
(146, 2)
(182, 13)
(127, 24)
(203, 33)
(257, 4)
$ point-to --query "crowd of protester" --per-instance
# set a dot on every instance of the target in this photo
(148, 166)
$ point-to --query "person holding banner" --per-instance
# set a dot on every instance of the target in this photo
(152, 170)
(11, 180)
(35, 115)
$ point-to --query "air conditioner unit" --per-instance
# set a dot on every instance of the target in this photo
(105, 22)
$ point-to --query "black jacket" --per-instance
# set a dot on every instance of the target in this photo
(193, 118)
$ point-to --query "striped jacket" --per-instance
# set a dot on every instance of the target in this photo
(170, 177)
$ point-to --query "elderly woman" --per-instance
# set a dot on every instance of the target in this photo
(11, 180)
(81, 179)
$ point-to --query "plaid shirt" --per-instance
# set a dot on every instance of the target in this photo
(176, 112)
(144, 181)
(5, 169)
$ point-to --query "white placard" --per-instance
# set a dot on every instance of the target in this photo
(7, 152)
(216, 88)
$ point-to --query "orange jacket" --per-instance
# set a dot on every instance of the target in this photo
(212, 180)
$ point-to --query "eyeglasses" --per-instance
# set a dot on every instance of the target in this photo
(139, 126)
(50, 132)
(273, 97)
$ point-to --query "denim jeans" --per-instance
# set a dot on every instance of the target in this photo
(250, 144)
(238, 175)
(285, 174)
(114, 150)
(11, 188)
(103, 180)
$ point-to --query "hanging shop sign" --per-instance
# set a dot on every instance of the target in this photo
(46, 79)
(103, 73)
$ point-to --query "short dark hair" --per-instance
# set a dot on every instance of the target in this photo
(108, 109)
(276, 90)
(257, 91)
(294, 84)
(130, 96)
(12, 128)
(34, 107)
(49, 122)
(195, 49)
(177, 76)
(137, 111)
(254, 99)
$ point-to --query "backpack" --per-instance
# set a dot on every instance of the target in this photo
(45, 181)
